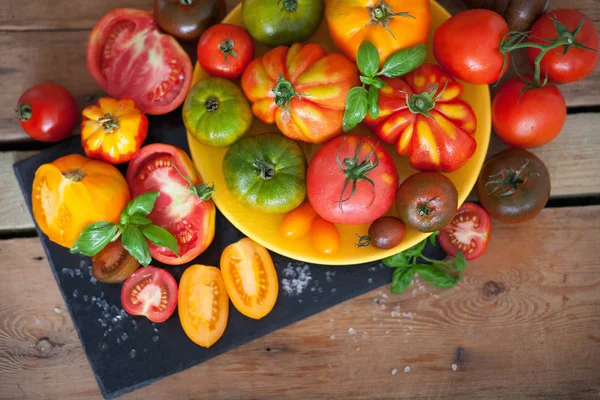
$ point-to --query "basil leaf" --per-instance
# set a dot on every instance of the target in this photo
(160, 237)
(401, 279)
(367, 58)
(432, 237)
(460, 262)
(367, 80)
(356, 107)
(403, 61)
(416, 250)
(141, 205)
(378, 82)
(139, 220)
(94, 238)
(373, 102)
(436, 276)
(397, 260)
(134, 242)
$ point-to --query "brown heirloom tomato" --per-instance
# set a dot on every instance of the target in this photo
(384, 233)
(514, 186)
(187, 19)
(427, 201)
(113, 264)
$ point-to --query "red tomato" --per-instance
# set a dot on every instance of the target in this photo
(190, 218)
(469, 232)
(467, 46)
(47, 112)
(129, 57)
(577, 63)
(528, 119)
(225, 50)
(151, 292)
(351, 180)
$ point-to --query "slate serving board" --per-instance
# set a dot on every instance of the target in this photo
(128, 352)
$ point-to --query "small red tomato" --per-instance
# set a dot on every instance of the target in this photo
(225, 50)
(467, 46)
(469, 232)
(47, 112)
(151, 292)
(574, 64)
(528, 118)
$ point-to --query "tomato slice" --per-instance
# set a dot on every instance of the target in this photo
(113, 264)
(468, 232)
(203, 304)
(151, 292)
(161, 168)
(250, 278)
(129, 57)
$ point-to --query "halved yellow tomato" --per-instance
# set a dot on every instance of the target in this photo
(203, 304)
(250, 278)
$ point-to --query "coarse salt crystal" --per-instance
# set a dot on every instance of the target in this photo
(407, 369)
(351, 331)
(365, 335)
(414, 292)
(57, 310)
(332, 337)
(132, 353)
(387, 332)
(454, 367)
(385, 296)
(155, 338)
(395, 313)
(408, 315)
(394, 371)
(370, 280)
(383, 306)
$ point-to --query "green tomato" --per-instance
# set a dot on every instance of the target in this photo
(216, 112)
(282, 22)
(266, 172)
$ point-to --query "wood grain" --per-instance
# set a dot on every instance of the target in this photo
(14, 215)
(524, 325)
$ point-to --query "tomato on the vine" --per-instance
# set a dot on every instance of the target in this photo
(469, 232)
(527, 116)
(151, 292)
(566, 63)
(183, 207)
(225, 50)
(47, 112)
(351, 180)
(468, 46)
(129, 57)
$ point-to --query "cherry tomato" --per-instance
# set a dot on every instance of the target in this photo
(469, 232)
(576, 63)
(47, 112)
(528, 118)
(187, 214)
(297, 223)
(467, 46)
(325, 237)
(151, 292)
(203, 304)
(113, 264)
(250, 278)
(129, 57)
(384, 233)
(225, 50)
(514, 186)
(351, 180)
(426, 201)
(187, 19)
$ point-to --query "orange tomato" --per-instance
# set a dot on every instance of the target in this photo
(325, 237)
(302, 89)
(250, 278)
(296, 224)
(73, 192)
(390, 25)
(203, 304)
(113, 130)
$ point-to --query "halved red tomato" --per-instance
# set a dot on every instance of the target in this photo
(183, 208)
(129, 57)
(469, 232)
(250, 278)
(151, 292)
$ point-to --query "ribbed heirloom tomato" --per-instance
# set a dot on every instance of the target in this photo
(423, 115)
(389, 24)
(183, 207)
(73, 192)
(302, 89)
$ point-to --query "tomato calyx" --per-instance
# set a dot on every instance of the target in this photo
(284, 92)
(226, 47)
(211, 104)
(424, 102)
(186, 2)
(356, 171)
(203, 191)
(24, 112)
(288, 5)
(74, 175)
(382, 14)
(508, 181)
(363, 241)
(424, 209)
(109, 123)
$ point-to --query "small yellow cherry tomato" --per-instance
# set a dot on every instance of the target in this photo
(296, 223)
(325, 237)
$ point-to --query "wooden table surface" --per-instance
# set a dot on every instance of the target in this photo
(524, 322)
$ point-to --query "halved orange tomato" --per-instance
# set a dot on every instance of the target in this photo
(203, 304)
(250, 278)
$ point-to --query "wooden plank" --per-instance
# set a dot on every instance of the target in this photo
(14, 215)
(524, 325)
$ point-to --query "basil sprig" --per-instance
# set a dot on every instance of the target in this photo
(435, 272)
(362, 100)
(133, 228)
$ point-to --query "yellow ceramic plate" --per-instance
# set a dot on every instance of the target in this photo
(264, 228)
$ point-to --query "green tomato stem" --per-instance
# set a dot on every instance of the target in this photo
(24, 112)
(288, 5)
(266, 169)
(211, 104)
